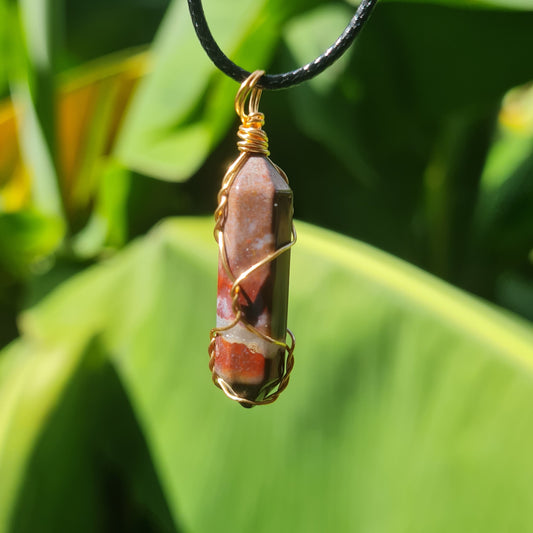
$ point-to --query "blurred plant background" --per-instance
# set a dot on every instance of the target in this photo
(411, 405)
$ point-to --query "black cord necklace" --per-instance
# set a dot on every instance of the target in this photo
(249, 356)
(287, 79)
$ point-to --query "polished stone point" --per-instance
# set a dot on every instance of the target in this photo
(258, 222)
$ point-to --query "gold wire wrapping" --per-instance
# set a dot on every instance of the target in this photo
(253, 140)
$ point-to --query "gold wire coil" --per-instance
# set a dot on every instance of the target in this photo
(253, 140)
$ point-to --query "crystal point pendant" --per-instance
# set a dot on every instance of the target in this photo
(249, 356)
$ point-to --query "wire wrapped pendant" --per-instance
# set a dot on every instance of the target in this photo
(250, 359)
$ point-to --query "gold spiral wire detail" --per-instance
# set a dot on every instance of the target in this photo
(253, 140)
(252, 137)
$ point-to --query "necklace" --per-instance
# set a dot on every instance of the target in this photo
(249, 356)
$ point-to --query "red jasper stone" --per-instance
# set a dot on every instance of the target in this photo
(258, 222)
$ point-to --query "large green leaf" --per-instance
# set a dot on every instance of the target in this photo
(409, 408)
(64, 407)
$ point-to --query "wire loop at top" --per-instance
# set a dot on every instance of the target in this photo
(253, 138)
(249, 89)
(287, 79)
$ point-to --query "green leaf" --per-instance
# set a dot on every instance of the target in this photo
(4, 46)
(64, 406)
(23, 414)
(33, 41)
(164, 135)
(409, 408)
(78, 419)
(177, 116)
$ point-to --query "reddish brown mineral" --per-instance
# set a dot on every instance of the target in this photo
(258, 222)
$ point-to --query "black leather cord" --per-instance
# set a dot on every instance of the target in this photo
(287, 79)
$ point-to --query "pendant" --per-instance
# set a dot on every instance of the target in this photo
(250, 359)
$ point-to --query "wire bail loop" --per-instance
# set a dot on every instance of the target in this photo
(253, 139)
